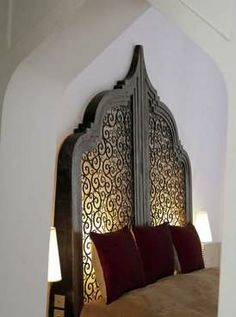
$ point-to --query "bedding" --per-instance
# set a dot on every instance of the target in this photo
(183, 295)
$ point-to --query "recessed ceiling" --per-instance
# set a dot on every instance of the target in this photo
(18, 18)
(217, 14)
(3, 25)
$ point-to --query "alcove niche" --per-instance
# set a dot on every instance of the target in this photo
(45, 100)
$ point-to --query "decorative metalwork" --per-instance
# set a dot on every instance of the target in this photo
(166, 174)
(107, 187)
(136, 168)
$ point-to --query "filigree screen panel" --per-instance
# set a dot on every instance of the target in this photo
(123, 164)
(107, 187)
(166, 174)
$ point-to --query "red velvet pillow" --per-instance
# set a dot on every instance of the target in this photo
(188, 247)
(120, 262)
(156, 249)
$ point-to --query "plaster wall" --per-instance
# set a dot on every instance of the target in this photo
(25, 24)
(187, 81)
(46, 98)
(73, 36)
(219, 41)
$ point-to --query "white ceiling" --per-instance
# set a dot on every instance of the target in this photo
(28, 13)
(217, 14)
(3, 25)
(19, 18)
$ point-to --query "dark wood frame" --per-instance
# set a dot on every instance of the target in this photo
(135, 88)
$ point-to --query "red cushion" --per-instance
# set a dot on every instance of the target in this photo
(120, 261)
(188, 248)
(156, 249)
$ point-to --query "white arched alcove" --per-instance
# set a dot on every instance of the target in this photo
(46, 97)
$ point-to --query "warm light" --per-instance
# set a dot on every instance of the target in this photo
(54, 269)
(203, 227)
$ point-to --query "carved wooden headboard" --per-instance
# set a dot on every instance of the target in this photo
(123, 165)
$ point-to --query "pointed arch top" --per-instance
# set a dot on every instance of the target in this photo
(123, 165)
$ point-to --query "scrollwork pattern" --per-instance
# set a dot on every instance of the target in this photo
(166, 174)
(107, 186)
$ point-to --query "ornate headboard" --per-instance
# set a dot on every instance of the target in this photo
(123, 165)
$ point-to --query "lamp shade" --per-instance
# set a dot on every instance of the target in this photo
(54, 269)
(203, 227)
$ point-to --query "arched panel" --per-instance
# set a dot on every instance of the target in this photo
(107, 186)
(166, 173)
(124, 165)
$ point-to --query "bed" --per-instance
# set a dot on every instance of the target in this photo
(124, 166)
(193, 294)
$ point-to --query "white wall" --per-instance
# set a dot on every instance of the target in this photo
(219, 41)
(25, 24)
(28, 144)
(46, 98)
(187, 81)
